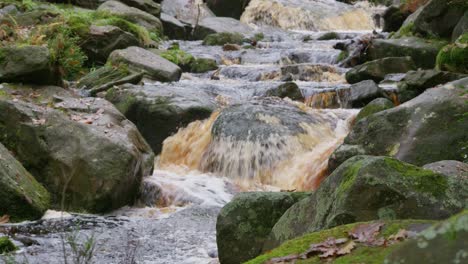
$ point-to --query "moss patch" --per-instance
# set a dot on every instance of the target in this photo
(362, 254)
(454, 57)
(223, 38)
(6, 245)
(421, 179)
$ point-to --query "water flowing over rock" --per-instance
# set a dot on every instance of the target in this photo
(307, 15)
(289, 147)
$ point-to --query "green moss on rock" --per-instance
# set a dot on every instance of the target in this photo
(6, 246)
(219, 39)
(362, 254)
(454, 57)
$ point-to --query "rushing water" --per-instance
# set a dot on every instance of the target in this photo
(197, 172)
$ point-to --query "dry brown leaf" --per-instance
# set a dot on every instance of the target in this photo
(346, 249)
(4, 219)
(325, 249)
(39, 121)
(402, 235)
(367, 233)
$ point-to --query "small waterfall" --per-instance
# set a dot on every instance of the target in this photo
(289, 162)
(314, 15)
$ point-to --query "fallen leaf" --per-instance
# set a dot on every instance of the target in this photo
(402, 235)
(346, 249)
(4, 219)
(39, 121)
(325, 249)
(75, 117)
(367, 233)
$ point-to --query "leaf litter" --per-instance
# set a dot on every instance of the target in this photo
(364, 234)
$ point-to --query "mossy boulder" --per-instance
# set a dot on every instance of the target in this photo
(368, 188)
(377, 105)
(361, 254)
(361, 93)
(393, 18)
(83, 148)
(160, 110)
(377, 69)
(21, 196)
(422, 51)
(31, 64)
(454, 57)
(151, 65)
(245, 222)
(132, 14)
(6, 246)
(429, 128)
(416, 82)
(289, 89)
(329, 36)
(102, 40)
(438, 18)
(220, 39)
(445, 242)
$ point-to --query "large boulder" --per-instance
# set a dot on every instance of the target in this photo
(445, 242)
(228, 8)
(140, 60)
(429, 128)
(175, 29)
(314, 15)
(31, 64)
(371, 252)
(21, 196)
(149, 6)
(368, 188)
(132, 14)
(450, 168)
(212, 25)
(361, 93)
(439, 17)
(160, 110)
(82, 148)
(416, 82)
(422, 51)
(102, 40)
(187, 11)
(245, 222)
(393, 18)
(377, 69)
(377, 105)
